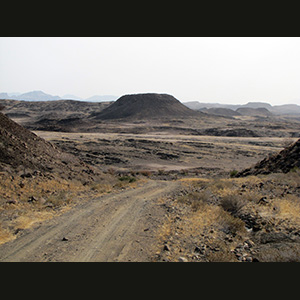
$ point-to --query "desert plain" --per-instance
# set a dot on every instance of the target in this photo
(157, 189)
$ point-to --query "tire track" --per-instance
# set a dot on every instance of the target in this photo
(101, 229)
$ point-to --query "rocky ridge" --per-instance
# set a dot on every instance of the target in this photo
(286, 160)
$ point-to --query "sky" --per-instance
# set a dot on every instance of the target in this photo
(232, 70)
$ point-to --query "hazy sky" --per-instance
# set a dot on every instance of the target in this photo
(224, 70)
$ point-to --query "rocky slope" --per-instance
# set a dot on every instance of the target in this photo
(284, 161)
(21, 151)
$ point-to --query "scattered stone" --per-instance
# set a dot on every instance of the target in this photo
(32, 199)
(260, 185)
(11, 201)
(229, 239)
(50, 205)
(249, 244)
(166, 248)
(18, 230)
(182, 259)
(42, 200)
(256, 227)
(27, 175)
(215, 249)
(65, 239)
(263, 201)
(200, 250)
(248, 259)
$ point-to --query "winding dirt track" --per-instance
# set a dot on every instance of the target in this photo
(115, 227)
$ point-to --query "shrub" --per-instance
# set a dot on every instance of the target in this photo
(111, 171)
(197, 200)
(58, 199)
(295, 169)
(230, 224)
(232, 203)
(101, 187)
(233, 173)
(130, 179)
(161, 172)
(146, 173)
(252, 196)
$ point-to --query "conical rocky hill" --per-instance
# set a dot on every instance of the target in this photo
(284, 161)
(146, 106)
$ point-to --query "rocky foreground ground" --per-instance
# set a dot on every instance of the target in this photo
(251, 219)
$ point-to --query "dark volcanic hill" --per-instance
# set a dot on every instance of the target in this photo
(146, 106)
(284, 161)
(21, 151)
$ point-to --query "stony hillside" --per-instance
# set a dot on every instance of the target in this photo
(145, 106)
(284, 161)
(23, 152)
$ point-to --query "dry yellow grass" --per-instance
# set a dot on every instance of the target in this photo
(193, 180)
(27, 201)
(5, 235)
(290, 207)
(213, 211)
(214, 216)
(209, 221)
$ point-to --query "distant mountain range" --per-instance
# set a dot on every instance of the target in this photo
(286, 109)
(210, 108)
(41, 96)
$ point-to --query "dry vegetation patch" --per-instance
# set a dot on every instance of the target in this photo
(25, 202)
(256, 218)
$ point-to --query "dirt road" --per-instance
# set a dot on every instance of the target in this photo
(115, 227)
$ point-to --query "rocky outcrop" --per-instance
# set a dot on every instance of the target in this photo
(284, 161)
